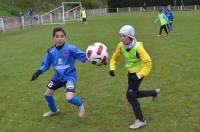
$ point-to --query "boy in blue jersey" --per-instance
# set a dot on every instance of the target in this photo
(62, 57)
(170, 16)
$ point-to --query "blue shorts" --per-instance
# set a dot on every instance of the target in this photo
(54, 85)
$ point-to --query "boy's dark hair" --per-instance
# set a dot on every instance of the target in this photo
(58, 29)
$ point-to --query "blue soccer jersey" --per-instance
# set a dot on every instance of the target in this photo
(63, 60)
(168, 14)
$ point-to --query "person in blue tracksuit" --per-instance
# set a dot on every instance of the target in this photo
(30, 12)
(62, 57)
(170, 16)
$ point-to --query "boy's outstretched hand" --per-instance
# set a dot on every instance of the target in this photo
(35, 75)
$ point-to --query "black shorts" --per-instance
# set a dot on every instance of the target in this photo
(84, 19)
(69, 86)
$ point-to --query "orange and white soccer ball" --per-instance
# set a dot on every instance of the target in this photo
(97, 53)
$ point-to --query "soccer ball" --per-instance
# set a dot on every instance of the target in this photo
(97, 53)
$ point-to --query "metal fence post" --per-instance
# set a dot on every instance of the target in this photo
(67, 15)
(141, 9)
(195, 7)
(41, 17)
(22, 21)
(59, 16)
(96, 10)
(50, 17)
(2, 25)
(117, 10)
(74, 15)
(93, 11)
(38, 19)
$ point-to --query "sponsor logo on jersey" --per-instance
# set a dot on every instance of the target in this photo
(62, 67)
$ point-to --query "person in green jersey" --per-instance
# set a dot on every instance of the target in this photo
(138, 64)
(163, 21)
(84, 15)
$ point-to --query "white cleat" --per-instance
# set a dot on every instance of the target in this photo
(154, 98)
(158, 35)
(50, 113)
(81, 111)
(137, 124)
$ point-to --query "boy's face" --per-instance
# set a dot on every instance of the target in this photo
(125, 39)
(59, 38)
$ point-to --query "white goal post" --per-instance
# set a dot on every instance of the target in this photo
(1, 25)
(52, 17)
(68, 11)
(73, 13)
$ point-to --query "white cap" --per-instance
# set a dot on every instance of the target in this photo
(127, 30)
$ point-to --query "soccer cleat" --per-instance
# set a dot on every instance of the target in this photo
(81, 111)
(165, 35)
(158, 35)
(154, 98)
(50, 113)
(137, 124)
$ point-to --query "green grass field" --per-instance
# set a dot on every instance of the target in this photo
(175, 71)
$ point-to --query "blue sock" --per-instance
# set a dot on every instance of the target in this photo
(51, 103)
(76, 101)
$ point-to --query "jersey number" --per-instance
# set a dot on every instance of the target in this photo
(50, 84)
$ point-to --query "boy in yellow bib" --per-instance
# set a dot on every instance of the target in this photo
(163, 21)
(84, 15)
(138, 63)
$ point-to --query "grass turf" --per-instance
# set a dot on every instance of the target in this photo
(175, 71)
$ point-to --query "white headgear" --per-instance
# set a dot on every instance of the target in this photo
(128, 31)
